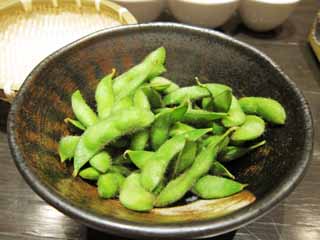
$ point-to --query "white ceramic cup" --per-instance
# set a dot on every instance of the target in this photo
(144, 10)
(205, 13)
(265, 15)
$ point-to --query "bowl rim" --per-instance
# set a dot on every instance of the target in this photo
(206, 228)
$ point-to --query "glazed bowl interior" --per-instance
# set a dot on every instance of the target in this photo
(36, 124)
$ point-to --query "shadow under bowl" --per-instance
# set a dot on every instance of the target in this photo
(36, 124)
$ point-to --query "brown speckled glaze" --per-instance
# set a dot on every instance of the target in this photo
(36, 125)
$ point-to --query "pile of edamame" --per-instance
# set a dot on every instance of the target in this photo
(149, 142)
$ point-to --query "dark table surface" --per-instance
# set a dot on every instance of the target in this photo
(24, 215)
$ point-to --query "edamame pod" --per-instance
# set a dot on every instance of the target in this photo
(209, 187)
(109, 185)
(207, 103)
(104, 96)
(194, 116)
(267, 108)
(252, 128)
(216, 138)
(107, 130)
(153, 96)
(195, 134)
(236, 115)
(139, 140)
(140, 100)
(217, 128)
(179, 128)
(185, 158)
(163, 85)
(124, 103)
(129, 81)
(178, 187)
(139, 158)
(90, 173)
(185, 93)
(222, 102)
(216, 88)
(221, 97)
(231, 153)
(219, 170)
(160, 128)
(67, 147)
(155, 168)
(101, 162)
(133, 196)
(120, 170)
(82, 110)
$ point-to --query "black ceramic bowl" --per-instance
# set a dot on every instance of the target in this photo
(36, 124)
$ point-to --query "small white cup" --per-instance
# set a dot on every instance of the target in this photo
(265, 15)
(205, 13)
(144, 10)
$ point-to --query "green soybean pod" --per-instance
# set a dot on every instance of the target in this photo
(252, 128)
(75, 123)
(139, 140)
(194, 116)
(218, 169)
(222, 102)
(216, 138)
(67, 147)
(129, 81)
(179, 186)
(267, 108)
(159, 188)
(179, 128)
(133, 196)
(196, 134)
(215, 89)
(186, 157)
(236, 115)
(182, 94)
(90, 173)
(139, 158)
(175, 190)
(161, 126)
(218, 128)
(209, 187)
(82, 111)
(124, 103)
(104, 96)
(120, 170)
(109, 185)
(164, 85)
(106, 131)
(140, 100)
(221, 97)
(101, 162)
(207, 104)
(157, 71)
(153, 172)
(154, 97)
(231, 153)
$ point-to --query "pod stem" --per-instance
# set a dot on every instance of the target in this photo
(257, 145)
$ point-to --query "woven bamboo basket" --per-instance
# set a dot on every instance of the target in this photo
(30, 30)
